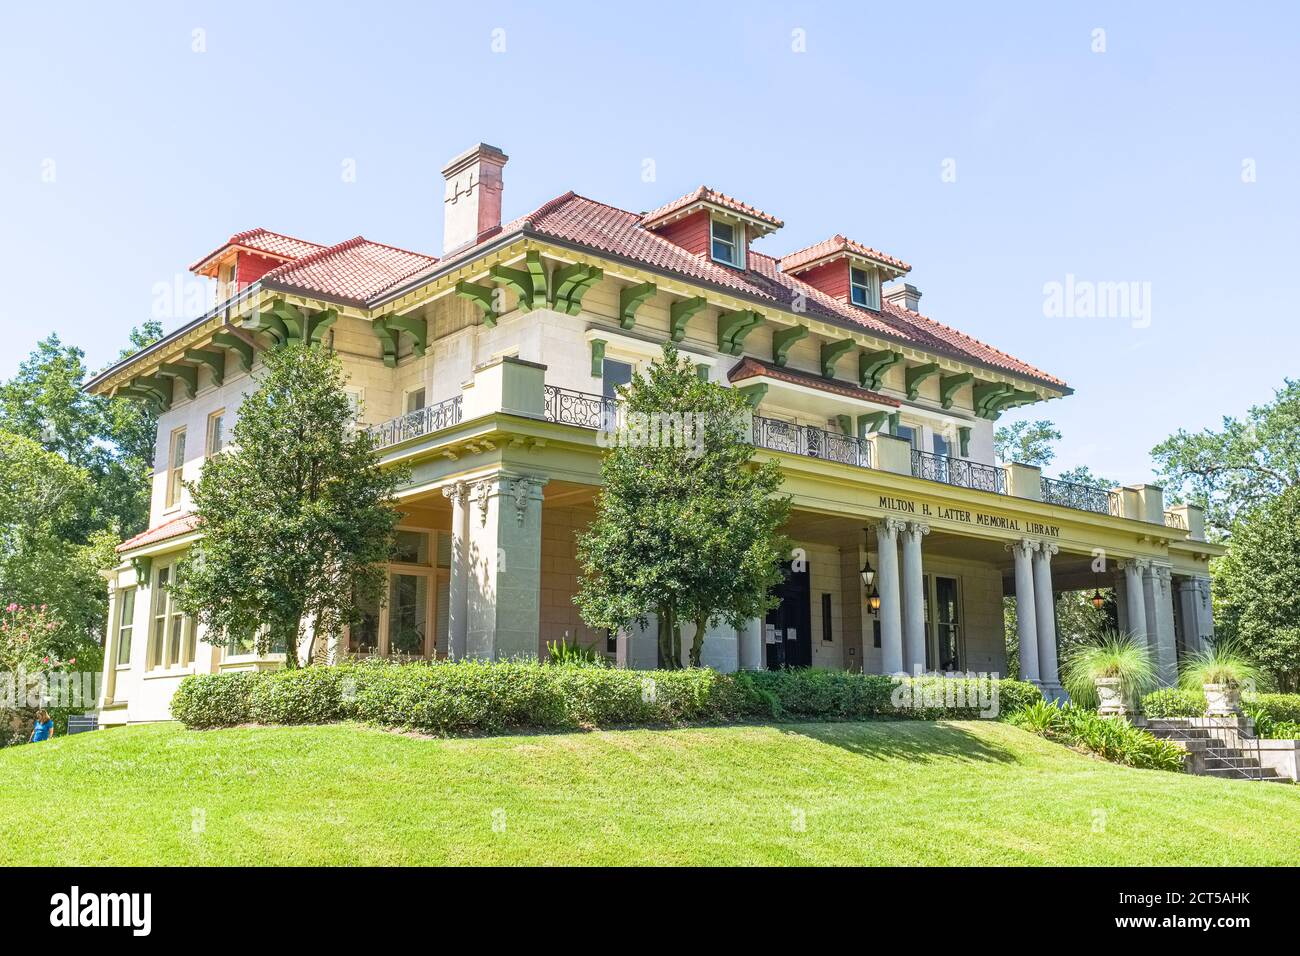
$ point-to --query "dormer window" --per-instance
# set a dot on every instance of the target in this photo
(727, 243)
(862, 290)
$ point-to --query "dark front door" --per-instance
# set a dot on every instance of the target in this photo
(792, 620)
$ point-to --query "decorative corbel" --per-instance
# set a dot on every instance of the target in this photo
(680, 312)
(631, 298)
(832, 352)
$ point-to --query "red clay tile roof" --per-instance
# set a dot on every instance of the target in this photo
(594, 225)
(362, 272)
(834, 246)
(750, 367)
(355, 270)
(705, 194)
(263, 240)
(171, 528)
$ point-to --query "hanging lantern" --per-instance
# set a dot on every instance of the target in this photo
(873, 602)
(1097, 600)
(868, 572)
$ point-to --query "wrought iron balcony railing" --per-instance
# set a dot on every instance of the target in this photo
(776, 435)
(583, 409)
(1175, 520)
(1072, 494)
(423, 421)
(959, 472)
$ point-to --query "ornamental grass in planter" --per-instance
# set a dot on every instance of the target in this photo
(1110, 674)
(1222, 671)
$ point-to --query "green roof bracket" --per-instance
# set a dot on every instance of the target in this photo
(832, 352)
(783, 339)
(872, 367)
(631, 298)
(755, 393)
(228, 340)
(482, 296)
(187, 375)
(417, 328)
(680, 312)
(387, 340)
(318, 323)
(949, 384)
(597, 358)
(733, 327)
(871, 422)
(918, 374)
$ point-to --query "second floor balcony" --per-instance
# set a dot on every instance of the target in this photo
(882, 452)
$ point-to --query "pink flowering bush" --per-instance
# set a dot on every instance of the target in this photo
(31, 636)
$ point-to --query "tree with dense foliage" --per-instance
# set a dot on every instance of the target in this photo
(112, 439)
(1245, 463)
(45, 557)
(688, 530)
(1026, 442)
(1256, 584)
(297, 516)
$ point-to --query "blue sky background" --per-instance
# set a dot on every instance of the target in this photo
(1125, 165)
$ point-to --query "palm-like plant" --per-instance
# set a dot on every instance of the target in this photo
(1223, 663)
(1115, 654)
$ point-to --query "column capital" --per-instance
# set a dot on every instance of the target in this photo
(1023, 548)
(457, 492)
(890, 527)
(918, 528)
(1045, 549)
(1142, 564)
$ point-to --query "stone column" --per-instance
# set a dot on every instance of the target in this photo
(1160, 620)
(1045, 620)
(913, 598)
(458, 585)
(1135, 604)
(505, 558)
(891, 616)
(1188, 605)
(1204, 611)
(751, 645)
(1026, 615)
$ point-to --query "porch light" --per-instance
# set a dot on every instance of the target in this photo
(873, 602)
(868, 572)
(1097, 600)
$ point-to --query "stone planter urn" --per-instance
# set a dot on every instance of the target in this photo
(1222, 700)
(1110, 697)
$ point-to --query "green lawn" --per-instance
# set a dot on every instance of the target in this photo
(884, 792)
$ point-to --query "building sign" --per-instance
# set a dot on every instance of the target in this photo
(931, 511)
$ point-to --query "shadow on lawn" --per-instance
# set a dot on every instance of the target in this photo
(917, 741)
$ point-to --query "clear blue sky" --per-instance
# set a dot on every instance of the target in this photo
(1123, 165)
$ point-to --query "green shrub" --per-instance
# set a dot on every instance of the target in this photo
(480, 697)
(562, 652)
(1284, 708)
(1173, 702)
(309, 695)
(214, 700)
(1111, 738)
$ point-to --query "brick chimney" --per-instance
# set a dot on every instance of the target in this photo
(472, 205)
(906, 296)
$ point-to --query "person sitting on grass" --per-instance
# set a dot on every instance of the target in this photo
(44, 728)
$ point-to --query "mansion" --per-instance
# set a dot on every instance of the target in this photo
(491, 371)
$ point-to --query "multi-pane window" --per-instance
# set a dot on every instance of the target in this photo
(173, 637)
(125, 624)
(176, 468)
(216, 432)
(941, 445)
(726, 242)
(861, 288)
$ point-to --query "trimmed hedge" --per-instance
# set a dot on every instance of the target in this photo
(477, 697)
(1282, 708)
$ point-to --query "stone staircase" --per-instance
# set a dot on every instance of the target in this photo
(1223, 747)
